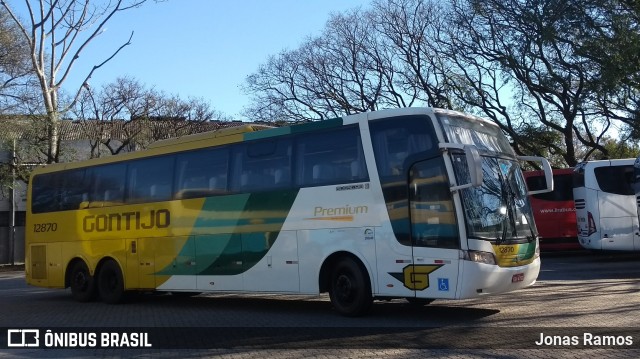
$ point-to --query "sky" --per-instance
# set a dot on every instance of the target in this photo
(203, 48)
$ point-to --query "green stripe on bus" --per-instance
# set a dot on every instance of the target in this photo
(233, 233)
(305, 127)
(272, 132)
(527, 251)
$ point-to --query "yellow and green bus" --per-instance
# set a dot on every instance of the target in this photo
(414, 203)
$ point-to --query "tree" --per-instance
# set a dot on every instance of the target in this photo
(533, 48)
(56, 32)
(406, 30)
(341, 72)
(363, 61)
(568, 66)
(138, 114)
(618, 149)
(613, 46)
(15, 66)
(555, 75)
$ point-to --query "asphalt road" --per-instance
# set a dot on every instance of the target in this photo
(580, 295)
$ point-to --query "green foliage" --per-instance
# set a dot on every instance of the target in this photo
(555, 75)
(617, 149)
(542, 141)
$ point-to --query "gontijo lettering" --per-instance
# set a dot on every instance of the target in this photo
(127, 221)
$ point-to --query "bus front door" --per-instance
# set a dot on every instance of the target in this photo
(434, 228)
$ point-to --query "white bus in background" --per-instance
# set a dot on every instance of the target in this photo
(606, 207)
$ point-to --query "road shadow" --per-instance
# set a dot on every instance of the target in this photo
(587, 265)
(318, 310)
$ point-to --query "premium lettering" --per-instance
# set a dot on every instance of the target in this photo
(127, 221)
(338, 211)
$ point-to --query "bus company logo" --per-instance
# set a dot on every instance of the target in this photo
(23, 338)
(126, 221)
(340, 214)
(416, 277)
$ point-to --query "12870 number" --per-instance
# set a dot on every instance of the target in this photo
(45, 227)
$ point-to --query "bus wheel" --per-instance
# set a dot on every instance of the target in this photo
(83, 287)
(111, 283)
(419, 302)
(350, 290)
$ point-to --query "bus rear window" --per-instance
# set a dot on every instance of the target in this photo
(615, 179)
(562, 188)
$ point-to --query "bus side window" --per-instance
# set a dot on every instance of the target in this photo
(322, 173)
(396, 140)
(261, 165)
(615, 179)
(201, 173)
(217, 183)
(150, 179)
(160, 192)
(330, 157)
(257, 179)
(74, 184)
(282, 177)
(112, 195)
(108, 185)
(199, 182)
(46, 189)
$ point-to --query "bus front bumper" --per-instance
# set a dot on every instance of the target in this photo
(479, 279)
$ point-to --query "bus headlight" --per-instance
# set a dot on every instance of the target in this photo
(479, 257)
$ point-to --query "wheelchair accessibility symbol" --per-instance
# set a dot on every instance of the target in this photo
(443, 284)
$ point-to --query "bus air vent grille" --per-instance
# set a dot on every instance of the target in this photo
(39, 262)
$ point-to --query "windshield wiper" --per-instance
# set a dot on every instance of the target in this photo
(505, 199)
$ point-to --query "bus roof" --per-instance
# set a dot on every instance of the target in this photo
(244, 133)
(205, 139)
(210, 137)
(604, 163)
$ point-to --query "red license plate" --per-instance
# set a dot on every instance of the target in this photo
(517, 278)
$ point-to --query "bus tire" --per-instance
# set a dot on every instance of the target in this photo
(111, 283)
(350, 290)
(82, 283)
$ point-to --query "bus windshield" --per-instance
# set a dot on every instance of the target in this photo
(484, 136)
(499, 209)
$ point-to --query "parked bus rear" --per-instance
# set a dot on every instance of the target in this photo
(606, 207)
(554, 212)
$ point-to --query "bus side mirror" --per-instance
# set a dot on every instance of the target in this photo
(636, 177)
(548, 174)
(474, 164)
